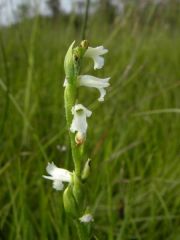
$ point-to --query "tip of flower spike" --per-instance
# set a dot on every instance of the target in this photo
(68, 62)
(72, 44)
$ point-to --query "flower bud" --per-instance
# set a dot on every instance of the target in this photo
(84, 44)
(80, 138)
(69, 64)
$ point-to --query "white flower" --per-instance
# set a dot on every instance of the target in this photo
(94, 82)
(58, 176)
(79, 123)
(86, 218)
(95, 54)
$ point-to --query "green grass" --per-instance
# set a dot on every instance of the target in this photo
(133, 137)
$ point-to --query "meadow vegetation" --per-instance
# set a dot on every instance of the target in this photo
(133, 137)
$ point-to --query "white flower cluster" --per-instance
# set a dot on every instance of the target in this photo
(91, 81)
(80, 113)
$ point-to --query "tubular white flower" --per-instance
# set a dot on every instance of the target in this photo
(86, 218)
(79, 123)
(58, 176)
(94, 82)
(95, 54)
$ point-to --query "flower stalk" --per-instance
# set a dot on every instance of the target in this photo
(74, 196)
(72, 67)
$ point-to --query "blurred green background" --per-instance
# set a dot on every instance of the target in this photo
(133, 136)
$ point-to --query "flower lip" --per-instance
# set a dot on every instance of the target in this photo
(58, 176)
(96, 54)
(94, 82)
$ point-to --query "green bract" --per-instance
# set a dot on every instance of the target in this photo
(69, 64)
(70, 204)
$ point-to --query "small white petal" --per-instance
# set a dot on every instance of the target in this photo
(100, 50)
(86, 218)
(58, 185)
(61, 148)
(95, 54)
(79, 123)
(94, 82)
(48, 177)
(98, 62)
(102, 94)
(65, 82)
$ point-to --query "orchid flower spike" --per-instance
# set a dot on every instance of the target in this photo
(79, 123)
(95, 54)
(94, 82)
(86, 218)
(58, 176)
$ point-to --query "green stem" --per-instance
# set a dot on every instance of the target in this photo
(27, 93)
(74, 194)
(85, 20)
(70, 98)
